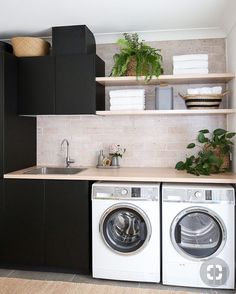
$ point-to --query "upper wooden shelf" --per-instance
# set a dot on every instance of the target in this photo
(167, 79)
(169, 112)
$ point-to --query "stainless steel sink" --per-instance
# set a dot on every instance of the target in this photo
(54, 171)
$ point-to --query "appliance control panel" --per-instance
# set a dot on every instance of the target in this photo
(198, 193)
(125, 191)
(203, 195)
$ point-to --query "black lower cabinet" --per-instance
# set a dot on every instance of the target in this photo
(2, 229)
(67, 230)
(45, 224)
(23, 239)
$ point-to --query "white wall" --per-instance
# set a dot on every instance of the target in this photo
(231, 67)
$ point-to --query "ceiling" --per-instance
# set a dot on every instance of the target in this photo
(160, 19)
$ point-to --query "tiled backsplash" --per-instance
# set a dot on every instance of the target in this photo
(150, 140)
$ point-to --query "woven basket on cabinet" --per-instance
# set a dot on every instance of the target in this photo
(29, 46)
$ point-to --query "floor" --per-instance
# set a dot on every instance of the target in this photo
(51, 276)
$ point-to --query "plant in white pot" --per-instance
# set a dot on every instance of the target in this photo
(116, 151)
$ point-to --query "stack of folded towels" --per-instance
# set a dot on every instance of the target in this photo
(190, 64)
(205, 91)
(128, 99)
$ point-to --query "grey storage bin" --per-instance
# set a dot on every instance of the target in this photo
(164, 98)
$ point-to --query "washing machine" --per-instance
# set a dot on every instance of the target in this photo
(126, 231)
(198, 235)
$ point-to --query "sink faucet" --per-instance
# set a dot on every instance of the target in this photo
(68, 159)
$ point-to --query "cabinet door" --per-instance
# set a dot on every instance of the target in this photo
(2, 229)
(75, 84)
(19, 132)
(36, 85)
(68, 241)
(23, 222)
(1, 113)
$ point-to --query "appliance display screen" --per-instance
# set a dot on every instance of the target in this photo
(136, 192)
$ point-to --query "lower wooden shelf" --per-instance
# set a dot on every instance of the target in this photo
(168, 112)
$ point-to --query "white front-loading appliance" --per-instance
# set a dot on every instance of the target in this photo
(126, 231)
(198, 235)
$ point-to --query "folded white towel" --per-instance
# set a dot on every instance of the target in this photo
(190, 71)
(216, 90)
(129, 101)
(190, 64)
(205, 90)
(191, 57)
(127, 93)
(128, 107)
(193, 91)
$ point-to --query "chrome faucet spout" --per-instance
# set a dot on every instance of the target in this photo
(68, 159)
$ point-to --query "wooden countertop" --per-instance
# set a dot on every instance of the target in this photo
(133, 174)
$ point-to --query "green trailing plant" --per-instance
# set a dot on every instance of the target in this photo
(214, 150)
(147, 59)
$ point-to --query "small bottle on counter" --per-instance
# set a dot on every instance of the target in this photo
(100, 158)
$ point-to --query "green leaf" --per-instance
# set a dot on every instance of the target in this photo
(205, 166)
(215, 160)
(191, 145)
(225, 149)
(180, 165)
(189, 161)
(219, 132)
(230, 135)
(205, 131)
(201, 138)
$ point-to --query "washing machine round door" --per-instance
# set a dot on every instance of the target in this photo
(125, 228)
(198, 233)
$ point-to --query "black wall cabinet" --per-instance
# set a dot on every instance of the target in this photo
(36, 89)
(60, 85)
(17, 134)
(46, 223)
(73, 40)
(75, 84)
(1, 113)
(64, 83)
(23, 222)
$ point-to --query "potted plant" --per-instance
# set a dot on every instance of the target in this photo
(136, 58)
(213, 155)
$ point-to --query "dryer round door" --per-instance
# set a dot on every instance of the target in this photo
(198, 233)
(125, 228)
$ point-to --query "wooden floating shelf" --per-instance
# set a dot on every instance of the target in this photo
(168, 112)
(167, 79)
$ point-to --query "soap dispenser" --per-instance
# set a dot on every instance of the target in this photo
(100, 158)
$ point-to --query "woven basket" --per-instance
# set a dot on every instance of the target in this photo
(29, 46)
(206, 101)
(131, 68)
(225, 157)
